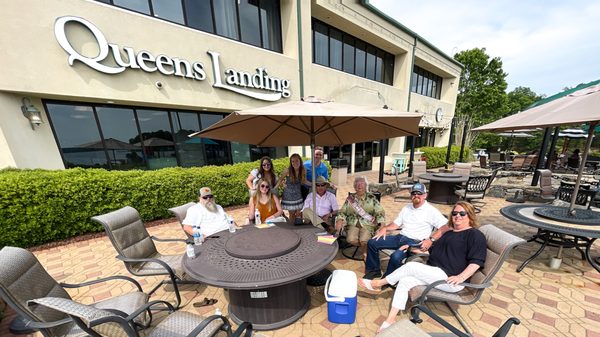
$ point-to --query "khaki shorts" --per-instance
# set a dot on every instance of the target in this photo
(354, 233)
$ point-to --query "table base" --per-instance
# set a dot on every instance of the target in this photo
(269, 308)
(441, 192)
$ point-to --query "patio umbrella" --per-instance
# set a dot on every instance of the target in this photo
(111, 144)
(578, 107)
(312, 121)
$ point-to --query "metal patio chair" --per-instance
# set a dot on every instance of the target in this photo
(499, 246)
(179, 212)
(476, 187)
(98, 322)
(135, 247)
(406, 328)
(23, 278)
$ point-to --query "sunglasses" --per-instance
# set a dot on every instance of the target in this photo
(266, 165)
(416, 193)
(207, 197)
(321, 185)
(461, 213)
(264, 186)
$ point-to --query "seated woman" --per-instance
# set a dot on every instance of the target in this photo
(455, 257)
(265, 172)
(266, 202)
(360, 214)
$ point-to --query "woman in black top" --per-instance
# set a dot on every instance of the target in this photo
(455, 257)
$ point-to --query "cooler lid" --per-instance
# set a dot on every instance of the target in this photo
(343, 284)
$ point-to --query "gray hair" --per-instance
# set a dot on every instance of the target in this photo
(360, 178)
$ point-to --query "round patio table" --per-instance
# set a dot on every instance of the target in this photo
(441, 186)
(579, 234)
(265, 271)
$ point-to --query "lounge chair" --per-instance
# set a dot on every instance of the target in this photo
(499, 246)
(98, 322)
(135, 247)
(23, 278)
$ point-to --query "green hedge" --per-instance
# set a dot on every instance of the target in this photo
(40, 206)
(436, 156)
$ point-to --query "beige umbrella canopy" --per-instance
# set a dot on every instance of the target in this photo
(312, 121)
(579, 107)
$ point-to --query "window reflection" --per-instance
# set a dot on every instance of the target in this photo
(157, 139)
(226, 18)
(249, 22)
(426, 83)
(199, 14)
(120, 135)
(168, 10)
(190, 150)
(216, 151)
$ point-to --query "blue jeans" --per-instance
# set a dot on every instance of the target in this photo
(390, 242)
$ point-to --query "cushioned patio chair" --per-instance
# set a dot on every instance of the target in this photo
(418, 168)
(546, 190)
(462, 169)
(517, 163)
(499, 246)
(23, 278)
(179, 212)
(135, 247)
(476, 187)
(98, 322)
(406, 328)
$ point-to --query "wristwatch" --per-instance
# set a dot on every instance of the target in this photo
(432, 239)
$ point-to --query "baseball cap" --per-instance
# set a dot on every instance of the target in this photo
(204, 191)
(418, 187)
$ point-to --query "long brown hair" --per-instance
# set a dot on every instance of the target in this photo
(296, 176)
(256, 197)
(269, 175)
(470, 213)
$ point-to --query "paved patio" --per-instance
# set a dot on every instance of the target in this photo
(563, 302)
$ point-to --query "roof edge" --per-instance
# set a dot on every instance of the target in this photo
(376, 11)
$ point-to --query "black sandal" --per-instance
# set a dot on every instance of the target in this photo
(205, 302)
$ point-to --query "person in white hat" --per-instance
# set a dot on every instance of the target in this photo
(327, 206)
(207, 214)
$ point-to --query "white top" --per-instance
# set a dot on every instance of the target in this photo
(325, 204)
(209, 222)
(417, 223)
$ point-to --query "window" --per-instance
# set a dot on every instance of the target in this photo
(125, 138)
(338, 50)
(426, 83)
(256, 22)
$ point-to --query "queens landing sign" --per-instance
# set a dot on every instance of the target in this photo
(259, 84)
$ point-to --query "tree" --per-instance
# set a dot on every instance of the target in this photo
(520, 99)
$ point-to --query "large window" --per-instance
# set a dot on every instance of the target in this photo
(256, 22)
(124, 138)
(336, 49)
(426, 83)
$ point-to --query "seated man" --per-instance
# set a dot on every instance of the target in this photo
(327, 206)
(207, 214)
(360, 214)
(416, 221)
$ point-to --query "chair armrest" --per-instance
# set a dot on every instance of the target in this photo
(149, 306)
(198, 329)
(419, 307)
(162, 263)
(47, 325)
(245, 326)
(505, 328)
(411, 257)
(429, 287)
(100, 280)
(167, 240)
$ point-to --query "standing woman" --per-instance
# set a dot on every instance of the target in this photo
(292, 179)
(265, 172)
(455, 257)
(265, 201)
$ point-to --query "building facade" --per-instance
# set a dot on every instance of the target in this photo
(120, 84)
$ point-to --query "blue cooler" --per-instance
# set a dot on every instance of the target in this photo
(340, 293)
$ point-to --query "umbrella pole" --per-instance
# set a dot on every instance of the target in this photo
(313, 180)
(588, 144)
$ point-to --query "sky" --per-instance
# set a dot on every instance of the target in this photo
(545, 45)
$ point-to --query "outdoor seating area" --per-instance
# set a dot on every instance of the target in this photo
(548, 302)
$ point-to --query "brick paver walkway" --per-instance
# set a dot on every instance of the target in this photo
(563, 302)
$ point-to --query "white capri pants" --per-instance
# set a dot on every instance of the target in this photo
(415, 274)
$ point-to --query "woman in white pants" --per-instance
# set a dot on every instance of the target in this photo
(455, 257)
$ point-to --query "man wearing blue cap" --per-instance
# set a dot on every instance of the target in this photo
(416, 222)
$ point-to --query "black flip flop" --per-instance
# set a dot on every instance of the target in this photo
(205, 302)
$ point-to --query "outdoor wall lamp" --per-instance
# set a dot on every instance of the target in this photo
(31, 113)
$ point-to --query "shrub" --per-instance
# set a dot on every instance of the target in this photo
(39, 206)
(436, 156)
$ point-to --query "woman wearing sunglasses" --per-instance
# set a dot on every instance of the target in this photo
(265, 172)
(266, 202)
(455, 257)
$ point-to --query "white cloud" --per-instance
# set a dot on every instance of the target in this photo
(544, 45)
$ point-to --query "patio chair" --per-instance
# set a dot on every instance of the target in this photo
(23, 278)
(476, 187)
(179, 212)
(418, 168)
(546, 190)
(529, 162)
(517, 163)
(135, 247)
(583, 200)
(406, 328)
(98, 322)
(499, 246)
(462, 169)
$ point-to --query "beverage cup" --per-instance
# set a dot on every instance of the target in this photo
(231, 224)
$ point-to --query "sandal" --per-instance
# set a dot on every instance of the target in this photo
(383, 326)
(366, 283)
(205, 302)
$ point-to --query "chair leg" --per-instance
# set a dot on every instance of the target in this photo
(353, 255)
(174, 280)
(459, 319)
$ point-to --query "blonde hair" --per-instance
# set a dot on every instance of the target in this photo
(257, 195)
(470, 213)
